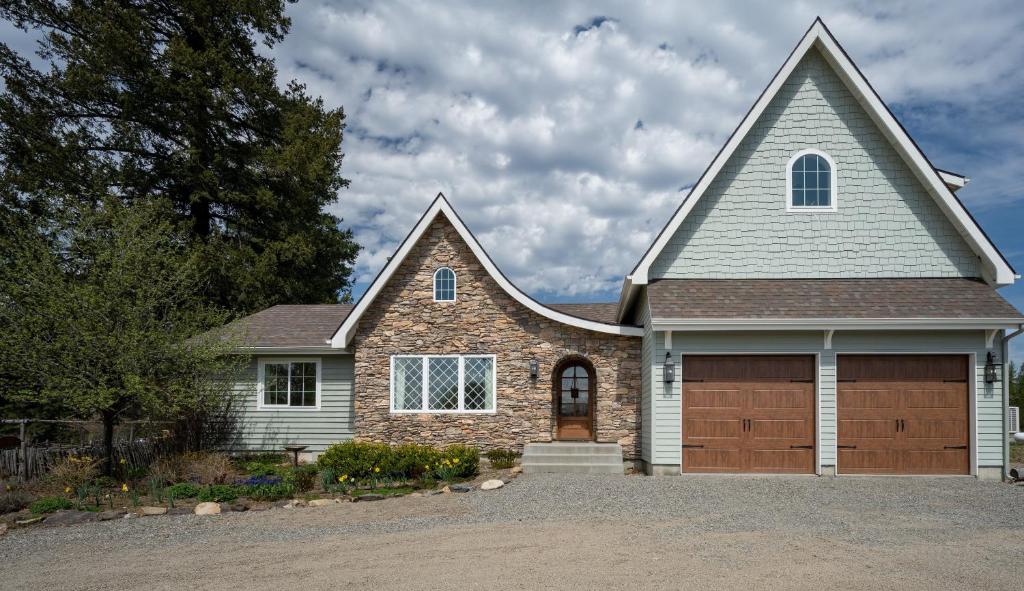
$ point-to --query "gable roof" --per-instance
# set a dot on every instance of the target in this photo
(598, 312)
(440, 206)
(292, 326)
(819, 37)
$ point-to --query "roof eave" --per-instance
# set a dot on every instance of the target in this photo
(756, 324)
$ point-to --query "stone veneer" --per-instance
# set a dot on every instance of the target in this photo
(484, 319)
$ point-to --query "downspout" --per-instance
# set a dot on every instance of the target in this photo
(1006, 398)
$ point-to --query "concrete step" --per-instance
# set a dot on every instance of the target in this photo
(573, 468)
(579, 457)
(582, 448)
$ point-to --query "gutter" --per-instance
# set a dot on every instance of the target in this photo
(1006, 398)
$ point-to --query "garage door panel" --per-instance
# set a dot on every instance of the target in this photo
(951, 461)
(713, 399)
(712, 460)
(761, 429)
(903, 414)
(874, 429)
(796, 461)
(704, 429)
(868, 461)
(744, 414)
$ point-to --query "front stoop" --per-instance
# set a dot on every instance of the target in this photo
(577, 457)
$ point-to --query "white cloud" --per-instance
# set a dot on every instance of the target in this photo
(564, 139)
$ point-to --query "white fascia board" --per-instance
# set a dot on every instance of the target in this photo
(325, 349)
(626, 296)
(952, 180)
(818, 36)
(343, 336)
(745, 324)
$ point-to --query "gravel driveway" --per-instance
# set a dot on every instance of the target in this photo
(563, 531)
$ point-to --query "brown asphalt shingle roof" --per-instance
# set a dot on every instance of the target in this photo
(826, 298)
(292, 325)
(602, 312)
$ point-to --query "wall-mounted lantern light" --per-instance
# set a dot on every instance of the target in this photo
(669, 369)
(992, 367)
(534, 369)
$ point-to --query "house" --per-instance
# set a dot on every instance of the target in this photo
(821, 302)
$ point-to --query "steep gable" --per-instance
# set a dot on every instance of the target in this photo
(886, 224)
(817, 71)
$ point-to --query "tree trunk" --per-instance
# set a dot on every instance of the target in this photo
(108, 442)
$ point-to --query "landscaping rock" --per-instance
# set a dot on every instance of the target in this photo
(108, 515)
(70, 517)
(516, 470)
(322, 502)
(149, 511)
(180, 511)
(207, 509)
(283, 504)
(239, 507)
(3, 529)
(460, 488)
(491, 485)
(367, 497)
(446, 489)
(29, 521)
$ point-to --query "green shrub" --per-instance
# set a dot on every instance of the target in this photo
(502, 458)
(357, 459)
(465, 458)
(218, 493)
(412, 461)
(183, 490)
(268, 492)
(50, 504)
(302, 478)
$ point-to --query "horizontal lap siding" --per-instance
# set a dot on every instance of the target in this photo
(271, 429)
(667, 406)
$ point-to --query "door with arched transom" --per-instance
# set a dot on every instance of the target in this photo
(574, 389)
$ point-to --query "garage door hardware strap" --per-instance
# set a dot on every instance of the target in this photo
(954, 447)
(691, 445)
(846, 447)
(801, 447)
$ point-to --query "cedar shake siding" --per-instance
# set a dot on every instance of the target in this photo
(484, 319)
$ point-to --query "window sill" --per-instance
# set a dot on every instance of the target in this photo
(443, 412)
(810, 209)
(289, 408)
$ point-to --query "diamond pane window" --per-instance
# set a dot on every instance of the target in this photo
(478, 383)
(408, 383)
(443, 380)
(289, 384)
(444, 285)
(811, 178)
(439, 384)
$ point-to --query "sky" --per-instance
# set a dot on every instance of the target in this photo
(566, 134)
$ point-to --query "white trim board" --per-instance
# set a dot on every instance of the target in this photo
(261, 364)
(818, 36)
(343, 336)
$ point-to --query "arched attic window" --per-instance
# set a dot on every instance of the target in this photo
(811, 182)
(444, 285)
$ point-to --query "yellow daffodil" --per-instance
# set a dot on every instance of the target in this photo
(123, 461)
(427, 467)
(456, 460)
(67, 489)
(376, 470)
(124, 487)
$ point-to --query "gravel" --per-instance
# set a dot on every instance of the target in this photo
(928, 523)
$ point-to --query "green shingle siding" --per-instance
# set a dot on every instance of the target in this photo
(886, 225)
(271, 429)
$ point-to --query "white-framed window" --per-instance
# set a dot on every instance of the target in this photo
(444, 285)
(443, 383)
(811, 182)
(288, 384)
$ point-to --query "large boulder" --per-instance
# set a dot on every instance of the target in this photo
(207, 509)
(148, 511)
(71, 517)
(323, 502)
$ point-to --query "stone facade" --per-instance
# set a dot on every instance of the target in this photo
(484, 319)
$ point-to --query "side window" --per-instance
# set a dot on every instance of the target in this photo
(811, 182)
(444, 285)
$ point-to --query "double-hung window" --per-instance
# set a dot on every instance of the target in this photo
(442, 383)
(289, 384)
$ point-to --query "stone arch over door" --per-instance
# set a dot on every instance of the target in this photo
(573, 394)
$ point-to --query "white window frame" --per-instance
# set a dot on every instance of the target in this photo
(425, 400)
(833, 185)
(260, 382)
(455, 284)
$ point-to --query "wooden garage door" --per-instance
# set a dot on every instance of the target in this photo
(748, 413)
(903, 414)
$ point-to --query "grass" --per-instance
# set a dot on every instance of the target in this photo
(1017, 453)
(387, 491)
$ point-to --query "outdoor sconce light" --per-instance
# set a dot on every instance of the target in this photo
(991, 368)
(669, 369)
(534, 369)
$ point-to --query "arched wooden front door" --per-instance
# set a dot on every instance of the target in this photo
(574, 389)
